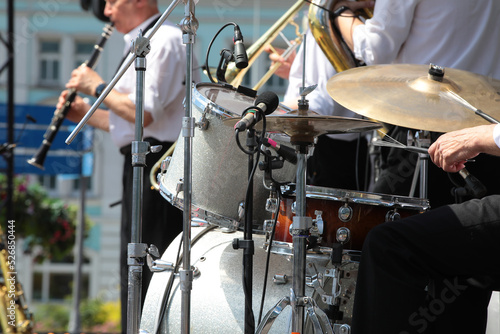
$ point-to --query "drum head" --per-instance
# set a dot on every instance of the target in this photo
(225, 101)
(217, 298)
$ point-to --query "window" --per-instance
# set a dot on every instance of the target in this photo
(83, 51)
(50, 62)
(49, 182)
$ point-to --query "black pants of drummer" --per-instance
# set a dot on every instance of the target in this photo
(161, 222)
(430, 273)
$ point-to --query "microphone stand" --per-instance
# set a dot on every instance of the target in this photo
(247, 243)
(136, 250)
(189, 25)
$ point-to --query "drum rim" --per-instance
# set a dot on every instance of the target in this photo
(197, 212)
(362, 197)
(208, 106)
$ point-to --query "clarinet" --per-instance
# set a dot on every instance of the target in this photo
(60, 114)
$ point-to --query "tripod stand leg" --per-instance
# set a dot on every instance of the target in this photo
(318, 318)
(271, 316)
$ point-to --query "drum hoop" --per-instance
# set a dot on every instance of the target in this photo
(208, 106)
(201, 214)
(352, 196)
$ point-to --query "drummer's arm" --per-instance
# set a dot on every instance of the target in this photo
(292, 104)
(347, 21)
(451, 150)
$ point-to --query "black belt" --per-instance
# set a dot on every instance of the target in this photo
(127, 149)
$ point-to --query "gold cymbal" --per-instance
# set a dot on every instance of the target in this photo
(304, 128)
(406, 95)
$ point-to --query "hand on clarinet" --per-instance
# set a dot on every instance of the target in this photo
(78, 107)
(85, 80)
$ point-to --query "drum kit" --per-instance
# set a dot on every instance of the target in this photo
(320, 229)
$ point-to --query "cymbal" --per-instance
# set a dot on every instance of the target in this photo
(407, 96)
(303, 128)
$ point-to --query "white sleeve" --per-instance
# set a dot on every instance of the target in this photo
(164, 75)
(496, 135)
(379, 40)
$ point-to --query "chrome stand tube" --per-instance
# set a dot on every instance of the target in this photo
(189, 25)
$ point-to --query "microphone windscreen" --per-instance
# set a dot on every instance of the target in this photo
(270, 99)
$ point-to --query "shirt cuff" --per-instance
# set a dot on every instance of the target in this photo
(496, 135)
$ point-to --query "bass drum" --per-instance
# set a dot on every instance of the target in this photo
(217, 298)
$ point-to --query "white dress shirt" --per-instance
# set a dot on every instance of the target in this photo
(164, 89)
(461, 34)
(318, 71)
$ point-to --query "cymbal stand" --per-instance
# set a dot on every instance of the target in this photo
(189, 26)
(422, 139)
(300, 231)
(136, 250)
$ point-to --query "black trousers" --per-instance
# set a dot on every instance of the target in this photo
(430, 273)
(338, 164)
(161, 222)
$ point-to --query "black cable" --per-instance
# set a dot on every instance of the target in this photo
(247, 196)
(268, 257)
(326, 9)
(247, 200)
(170, 284)
(210, 46)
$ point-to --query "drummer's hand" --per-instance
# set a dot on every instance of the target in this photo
(284, 70)
(77, 110)
(84, 80)
(452, 149)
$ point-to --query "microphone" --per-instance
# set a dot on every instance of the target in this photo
(240, 54)
(266, 102)
(473, 184)
(286, 152)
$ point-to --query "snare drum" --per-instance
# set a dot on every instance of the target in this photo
(219, 167)
(341, 216)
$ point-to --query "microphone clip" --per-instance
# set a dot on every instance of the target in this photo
(225, 57)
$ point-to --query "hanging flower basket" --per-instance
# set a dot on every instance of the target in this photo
(47, 225)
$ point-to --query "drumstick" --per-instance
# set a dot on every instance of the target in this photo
(397, 144)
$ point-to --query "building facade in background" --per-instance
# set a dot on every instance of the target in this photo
(51, 38)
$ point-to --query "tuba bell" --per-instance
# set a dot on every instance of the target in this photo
(328, 37)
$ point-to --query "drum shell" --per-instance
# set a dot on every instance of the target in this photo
(217, 297)
(219, 167)
(368, 210)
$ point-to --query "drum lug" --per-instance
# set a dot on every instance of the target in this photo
(392, 215)
(164, 164)
(343, 235)
(268, 225)
(272, 204)
(345, 213)
(203, 123)
(179, 187)
(317, 229)
(280, 279)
